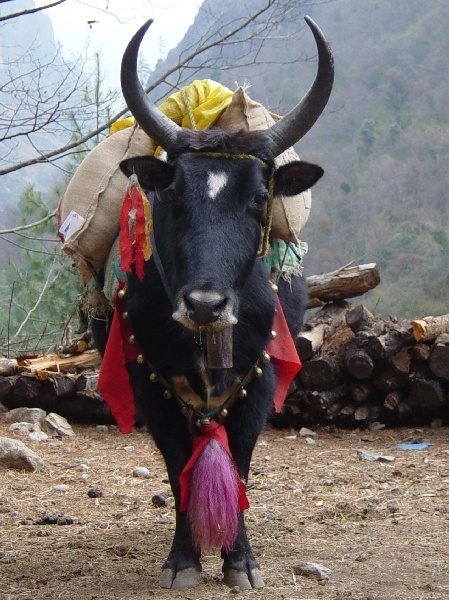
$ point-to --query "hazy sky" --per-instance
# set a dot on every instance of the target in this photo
(115, 27)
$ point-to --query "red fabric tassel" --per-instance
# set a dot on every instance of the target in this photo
(135, 224)
(218, 433)
(284, 356)
(113, 383)
(126, 248)
(139, 235)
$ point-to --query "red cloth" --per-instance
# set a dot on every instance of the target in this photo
(218, 433)
(113, 383)
(284, 357)
(133, 234)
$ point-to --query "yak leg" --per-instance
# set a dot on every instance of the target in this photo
(244, 424)
(169, 430)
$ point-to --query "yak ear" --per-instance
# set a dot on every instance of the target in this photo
(151, 172)
(296, 177)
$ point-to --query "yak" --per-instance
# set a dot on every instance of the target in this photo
(203, 312)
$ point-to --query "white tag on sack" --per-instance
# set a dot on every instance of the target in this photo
(72, 223)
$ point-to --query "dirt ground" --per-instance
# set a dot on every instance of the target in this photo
(381, 527)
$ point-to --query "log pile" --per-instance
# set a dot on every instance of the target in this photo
(359, 369)
(63, 383)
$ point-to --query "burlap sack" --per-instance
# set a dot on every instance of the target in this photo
(95, 194)
(290, 213)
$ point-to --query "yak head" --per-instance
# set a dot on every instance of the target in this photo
(211, 193)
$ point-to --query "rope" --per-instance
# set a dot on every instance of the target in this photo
(265, 245)
(185, 99)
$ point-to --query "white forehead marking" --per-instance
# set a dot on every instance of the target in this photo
(215, 183)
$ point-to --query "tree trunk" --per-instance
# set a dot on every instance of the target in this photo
(426, 394)
(347, 282)
(8, 367)
(439, 357)
(427, 329)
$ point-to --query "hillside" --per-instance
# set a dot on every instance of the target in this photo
(27, 45)
(383, 139)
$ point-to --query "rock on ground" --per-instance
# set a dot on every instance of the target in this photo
(16, 455)
(55, 425)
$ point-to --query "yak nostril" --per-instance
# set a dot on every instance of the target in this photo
(205, 307)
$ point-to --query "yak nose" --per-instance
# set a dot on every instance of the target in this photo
(205, 307)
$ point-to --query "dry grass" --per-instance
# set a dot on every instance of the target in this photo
(381, 527)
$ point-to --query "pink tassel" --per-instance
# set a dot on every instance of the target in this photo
(214, 499)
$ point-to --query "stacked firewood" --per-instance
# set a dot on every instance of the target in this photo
(64, 382)
(359, 370)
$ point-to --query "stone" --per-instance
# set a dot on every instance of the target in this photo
(24, 415)
(314, 570)
(55, 425)
(159, 501)
(21, 427)
(376, 426)
(38, 436)
(373, 456)
(142, 472)
(61, 487)
(102, 428)
(304, 432)
(16, 455)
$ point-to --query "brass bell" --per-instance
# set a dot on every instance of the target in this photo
(265, 358)
(122, 293)
(273, 335)
(224, 412)
(205, 421)
(258, 372)
(275, 288)
(131, 339)
(243, 394)
(125, 315)
(153, 377)
(167, 394)
(140, 359)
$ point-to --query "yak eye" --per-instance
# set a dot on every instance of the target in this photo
(170, 194)
(260, 198)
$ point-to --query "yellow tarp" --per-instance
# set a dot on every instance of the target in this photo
(207, 100)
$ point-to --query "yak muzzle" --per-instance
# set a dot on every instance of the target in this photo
(205, 309)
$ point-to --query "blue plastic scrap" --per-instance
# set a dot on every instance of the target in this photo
(414, 446)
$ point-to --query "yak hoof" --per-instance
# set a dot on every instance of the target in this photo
(187, 578)
(245, 581)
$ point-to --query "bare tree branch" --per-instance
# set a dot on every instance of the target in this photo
(30, 225)
(221, 34)
(48, 281)
(29, 11)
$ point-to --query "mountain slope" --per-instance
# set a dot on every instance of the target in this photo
(383, 139)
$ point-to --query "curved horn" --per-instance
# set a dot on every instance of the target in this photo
(155, 124)
(300, 119)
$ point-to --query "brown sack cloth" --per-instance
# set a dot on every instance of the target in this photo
(290, 213)
(95, 193)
